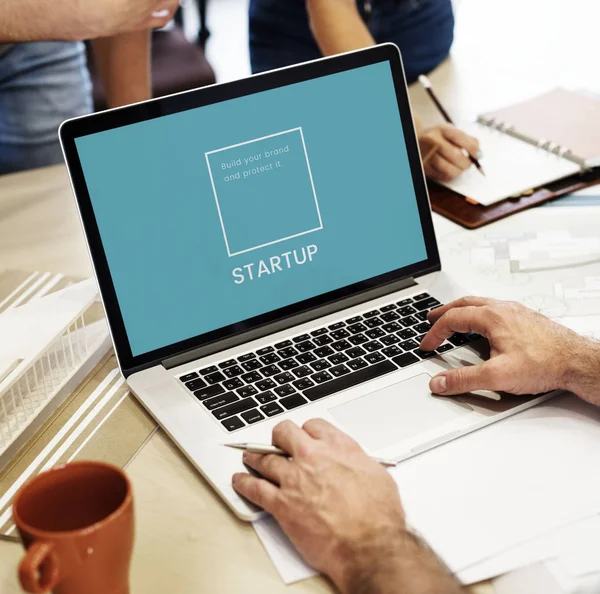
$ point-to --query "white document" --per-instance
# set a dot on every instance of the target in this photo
(511, 167)
(535, 579)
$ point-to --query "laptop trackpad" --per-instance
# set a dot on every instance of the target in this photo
(396, 413)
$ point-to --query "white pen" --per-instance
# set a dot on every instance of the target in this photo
(259, 448)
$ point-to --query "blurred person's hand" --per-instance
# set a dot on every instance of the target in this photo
(449, 160)
(529, 353)
(342, 511)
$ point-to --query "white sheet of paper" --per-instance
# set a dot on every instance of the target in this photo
(511, 167)
(534, 579)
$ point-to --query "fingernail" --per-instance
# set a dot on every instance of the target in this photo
(235, 478)
(479, 155)
(245, 455)
(160, 14)
(438, 384)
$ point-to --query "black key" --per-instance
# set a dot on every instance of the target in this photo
(289, 364)
(420, 338)
(349, 380)
(265, 384)
(266, 397)
(265, 350)
(284, 344)
(472, 336)
(374, 358)
(215, 378)
(208, 370)
(339, 334)
(284, 390)
(323, 340)
(356, 364)
(391, 327)
(356, 328)
(371, 314)
(336, 326)
(338, 358)
(247, 391)
(404, 302)
(421, 296)
(252, 416)
(209, 392)
(319, 332)
(389, 340)
(235, 408)
(405, 359)
(375, 333)
(227, 363)
(301, 338)
(445, 347)
(195, 384)
(270, 358)
(406, 310)
(232, 384)
(305, 346)
(358, 339)
(232, 424)
(304, 383)
(320, 365)
(372, 346)
(458, 339)
(406, 334)
(409, 345)
(302, 371)
(271, 409)
(324, 351)
(321, 377)
(221, 400)
(355, 352)
(423, 327)
(288, 352)
(353, 320)
(246, 357)
(306, 358)
(387, 308)
(408, 321)
(373, 322)
(392, 351)
(284, 378)
(233, 371)
(293, 401)
(341, 345)
(251, 365)
(188, 377)
(426, 304)
(339, 370)
(252, 377)
(425, 354)
(421, 315)
(270, 370)
(390, 316)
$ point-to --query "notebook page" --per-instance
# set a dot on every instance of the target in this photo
(511, 167)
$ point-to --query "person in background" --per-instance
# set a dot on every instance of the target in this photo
(43, 73)
(358, 536)
(286, 32)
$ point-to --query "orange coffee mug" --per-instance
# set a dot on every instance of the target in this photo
(76, 522)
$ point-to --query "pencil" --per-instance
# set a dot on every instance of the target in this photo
(429, 89)
(257, 448)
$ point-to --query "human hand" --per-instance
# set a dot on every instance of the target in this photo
(448, 160)
(529, 353)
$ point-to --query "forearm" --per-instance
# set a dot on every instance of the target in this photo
(582, 376)
(123, 63)
(404, 565)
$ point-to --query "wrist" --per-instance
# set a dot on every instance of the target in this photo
(581, 375)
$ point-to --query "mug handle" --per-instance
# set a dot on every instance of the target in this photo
(38, 571)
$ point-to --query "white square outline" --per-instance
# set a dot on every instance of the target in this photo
(299, 129)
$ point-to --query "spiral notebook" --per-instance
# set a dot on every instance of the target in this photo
(531, 144)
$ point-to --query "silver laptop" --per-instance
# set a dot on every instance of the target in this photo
(265, 251)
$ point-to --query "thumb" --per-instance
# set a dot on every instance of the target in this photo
(464, 379)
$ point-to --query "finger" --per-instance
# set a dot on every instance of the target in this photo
(461, 139)
(436, 314)
(290, 438)
(486, 376)
(325, 431)
(272, 467)
(258, 491)
(454, 155)
(443, 169)
(463, 319)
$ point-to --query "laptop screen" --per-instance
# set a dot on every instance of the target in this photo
(211, 216)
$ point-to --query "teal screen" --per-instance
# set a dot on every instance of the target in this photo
(218, 214)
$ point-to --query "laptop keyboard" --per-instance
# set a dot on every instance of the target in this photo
(275, 379)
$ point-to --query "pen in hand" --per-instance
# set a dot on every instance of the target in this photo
(425, 82)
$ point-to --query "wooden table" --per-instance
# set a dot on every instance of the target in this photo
(187, 541)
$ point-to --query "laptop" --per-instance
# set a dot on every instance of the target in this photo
(265, 251)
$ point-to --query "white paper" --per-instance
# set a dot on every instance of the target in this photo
(588, 584)
(535, 579)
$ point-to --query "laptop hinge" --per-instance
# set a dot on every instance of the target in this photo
(284, 324)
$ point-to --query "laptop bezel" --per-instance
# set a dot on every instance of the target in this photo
(119, 117)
